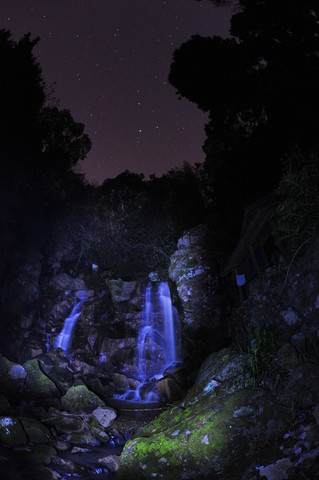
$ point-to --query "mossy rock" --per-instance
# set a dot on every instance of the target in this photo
(208, 435)
(35, 430)
(40, 454)
(12, 376)
(80, 399)
(11, 432)
(83, 438)
(209, 439)
(68, 423)
(37, 384)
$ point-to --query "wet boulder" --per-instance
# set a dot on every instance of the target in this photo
(111, 462)
(173, 385)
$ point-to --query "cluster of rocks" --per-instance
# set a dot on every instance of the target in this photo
(51, 409)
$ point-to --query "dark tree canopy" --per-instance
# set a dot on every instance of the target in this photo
(21, 94)
(39, 146)
(261, 89)
(64, 142)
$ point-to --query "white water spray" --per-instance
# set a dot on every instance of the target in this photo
(64, 338)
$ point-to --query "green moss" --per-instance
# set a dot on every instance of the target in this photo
(80, 399)
(191, 439)
(37, 384)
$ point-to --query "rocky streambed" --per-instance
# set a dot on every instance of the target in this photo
(53, 425)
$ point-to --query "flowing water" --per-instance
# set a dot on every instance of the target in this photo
(158, 344)
(64, 338)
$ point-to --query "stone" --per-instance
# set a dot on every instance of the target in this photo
(193, 269)
(170, 389)
(66, 465)
(63, 281)
(276, 470)
(105, 416)
(120, 381)
(68, 423)
(80, 450)
(27, 321)
(37, 385)
(111, 462)
(61, 376)
(35, 430)
(12, 433)
(80, 399)
(122, 291)
(290, 316)
(100, 434)
(41, 473)
(12, 377)
(40, 453)
(83, 438)
(62, 446)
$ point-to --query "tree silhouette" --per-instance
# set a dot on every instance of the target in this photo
(261, 89)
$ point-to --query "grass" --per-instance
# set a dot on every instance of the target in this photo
(260, 344)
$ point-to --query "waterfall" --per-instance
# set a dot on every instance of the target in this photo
(64, 337)
(158, 343)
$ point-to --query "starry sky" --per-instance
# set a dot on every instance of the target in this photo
(108, 62)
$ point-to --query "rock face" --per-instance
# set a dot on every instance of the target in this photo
(223, 426)
(194, 270)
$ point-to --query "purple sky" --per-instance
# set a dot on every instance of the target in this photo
(110, 61)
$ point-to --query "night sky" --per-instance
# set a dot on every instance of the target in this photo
(108, 61)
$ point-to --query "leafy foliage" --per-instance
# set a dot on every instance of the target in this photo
(298, 212)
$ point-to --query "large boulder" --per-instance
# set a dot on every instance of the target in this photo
(216, 430)
(112, 462)
(104, 415)
(12, 433)
(37, 385)
(12, 377)
(35, 430)
(194, 270)
(80, 399)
